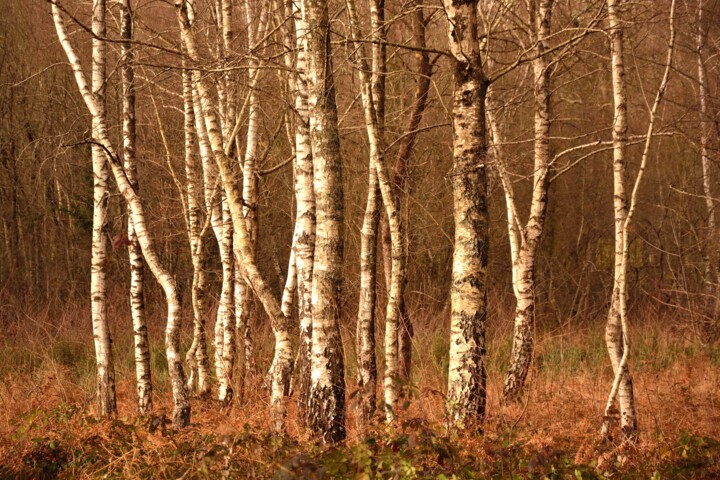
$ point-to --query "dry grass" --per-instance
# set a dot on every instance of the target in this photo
(47, 428)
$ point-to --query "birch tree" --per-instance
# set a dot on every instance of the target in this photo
(525, 239)
(181, 404)
(137, 265)
(377, 162)
(282, 359)
(326, 404)
(423, 73)
(196, 357)
(616, 331)
(468, 292)
(303, 246)
(98, 265)
(711, 271)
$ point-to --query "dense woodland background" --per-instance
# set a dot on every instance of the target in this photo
(46, 186)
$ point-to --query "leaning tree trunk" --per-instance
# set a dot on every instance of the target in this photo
(524, 278)
(613, 330)
(137, 266)
(468, 294)
(282, 360)
(106, 402)
(181, 411)
(326, 408)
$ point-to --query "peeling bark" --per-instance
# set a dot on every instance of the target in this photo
(326, 405)
(466, 396)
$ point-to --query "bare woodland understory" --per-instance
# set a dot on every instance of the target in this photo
(323, 217)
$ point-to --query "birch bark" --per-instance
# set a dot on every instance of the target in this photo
(327, 390)
(468, 294)
(613, 331)
(106, 402)
(282, 360)
(196, 357)
(524, 266)
(137, 265)
(181, 410)
(304, 235)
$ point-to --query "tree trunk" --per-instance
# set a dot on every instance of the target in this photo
(524, 280)
(327, 390)
(137, 265)
(106, 405)
(282, 361)
(468, 294)
(400, 178)
(613, 330)
(181, 411)
(196, 357)
(304, 235)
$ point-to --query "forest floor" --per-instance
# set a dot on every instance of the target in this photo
(47, 427)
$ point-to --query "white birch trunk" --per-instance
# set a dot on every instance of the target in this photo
(137, 265)
(98, 267)
(304, 235)
(181, 411)
(616, 333)
(327, 389)
(377, 161)
(196, 357)
(468, 294)
(524, 267)
(282, 361)
(613, 331)
(711, 270)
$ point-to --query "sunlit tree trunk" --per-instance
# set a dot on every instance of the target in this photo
(304, 234)
(327, 389)
(282, 360)
(617, 331)
(524, 266)
(377, 161)
(137, 266)
(365, 335)
(468, 293)
(106, 402)
(613, 330)
(196, 357)
(181, 410)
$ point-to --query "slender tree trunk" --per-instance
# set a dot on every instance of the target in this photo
(282, 360)
(196, 357)
(400, 178)
(327, 390)
(137, 265)
(377, 162)
(98, 270)
(616, 336)
(468, 294)
(304, 235)
(524, 281)
(712, 280)
(181, 411)
(365, 335)
(225, 333)
(613, 330)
